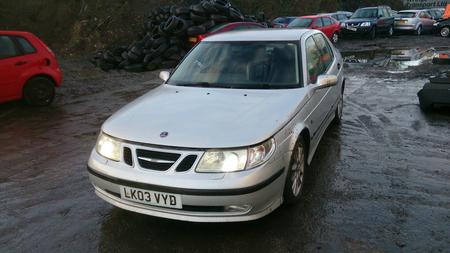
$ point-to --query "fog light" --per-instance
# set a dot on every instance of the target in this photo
(237, 208)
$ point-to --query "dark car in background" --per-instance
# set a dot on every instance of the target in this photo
(443, 27)
(227, 27)
(370, 22)
(436, 13)
(282, 22)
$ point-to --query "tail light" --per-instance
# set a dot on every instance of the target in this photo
(195, 40)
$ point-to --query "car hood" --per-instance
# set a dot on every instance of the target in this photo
(205, 117)
(359, 20)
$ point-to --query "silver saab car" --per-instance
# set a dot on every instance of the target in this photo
(229, 135)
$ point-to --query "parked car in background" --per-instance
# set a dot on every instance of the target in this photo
(326, 24)
(227, 27)
(370, 22)
(417, 21)
(338, 16)
(348, 14)
(28, 69)
(443, 27)
(436, 13)
(246, 114)
(282, 22)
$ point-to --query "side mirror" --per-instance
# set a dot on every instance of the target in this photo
(326, 81)
(164, 75)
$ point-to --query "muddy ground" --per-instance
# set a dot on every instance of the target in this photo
(380, 181)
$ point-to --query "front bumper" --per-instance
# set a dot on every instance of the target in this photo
(196, 208)
(359, 31)
(205, 197)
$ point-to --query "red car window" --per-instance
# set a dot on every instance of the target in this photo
(7, 47)
(26, 46)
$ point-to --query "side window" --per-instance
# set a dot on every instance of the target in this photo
(314, 65)
(7, 47)
(326, 21)
(26, 46)
(386, 13)
(318, 23)
(326, 54)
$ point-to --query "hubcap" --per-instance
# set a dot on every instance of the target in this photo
(335, 38)
(298, 171)
(445, 31)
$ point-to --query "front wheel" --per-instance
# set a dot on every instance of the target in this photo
(445, 31)
(339, 111)
(335, 38)
(39, 91)
(373, 33)
(293, 187)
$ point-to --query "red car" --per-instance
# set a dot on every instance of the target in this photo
(28, 69)
(326, 24)
(235, 26)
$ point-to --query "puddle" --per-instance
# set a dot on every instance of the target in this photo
(392, 60)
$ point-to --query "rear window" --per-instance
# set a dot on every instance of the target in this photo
(406, 15)
(7, 47)
(26, 46)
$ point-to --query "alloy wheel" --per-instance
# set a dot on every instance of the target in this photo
(445, 31)
(298, 171)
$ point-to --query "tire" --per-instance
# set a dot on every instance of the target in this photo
(180, 11)
(335, 38)
(445, 31)
(198, 9)
(390, 31)
(198, 18)
(196, 30)
(418, 31)
(39, 91)
(298, 166)
(219, 18)
(209, 24)
(339, 111)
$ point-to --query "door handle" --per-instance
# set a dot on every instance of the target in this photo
(20, 63)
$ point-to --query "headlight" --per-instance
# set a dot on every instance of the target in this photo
(108, 147)
(366, 24)
(435, 24)
(219, 161)
(342, 25)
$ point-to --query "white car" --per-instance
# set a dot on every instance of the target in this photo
(229, 135)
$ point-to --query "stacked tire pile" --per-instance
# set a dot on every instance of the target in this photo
(164, 39)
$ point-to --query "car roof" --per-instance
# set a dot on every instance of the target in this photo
(314, 16)
(410, 10)
(261, 35)
(15, 33)
(376, 7)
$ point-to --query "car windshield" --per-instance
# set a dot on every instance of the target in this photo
(301, 23)
(240, 65)
(366, 13)
(282, 20)
(406, 15)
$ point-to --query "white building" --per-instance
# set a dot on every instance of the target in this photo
(413, 4)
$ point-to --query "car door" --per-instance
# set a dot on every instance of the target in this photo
(315, 66)
(327, 27)
(11, 66)
(317, 24)
(427, 20)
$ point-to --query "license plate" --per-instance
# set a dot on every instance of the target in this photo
(351, 28)
(151, 197)
(402, 22)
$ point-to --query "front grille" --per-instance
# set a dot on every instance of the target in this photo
(187, 163)
(127, 156)
(154, 160)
